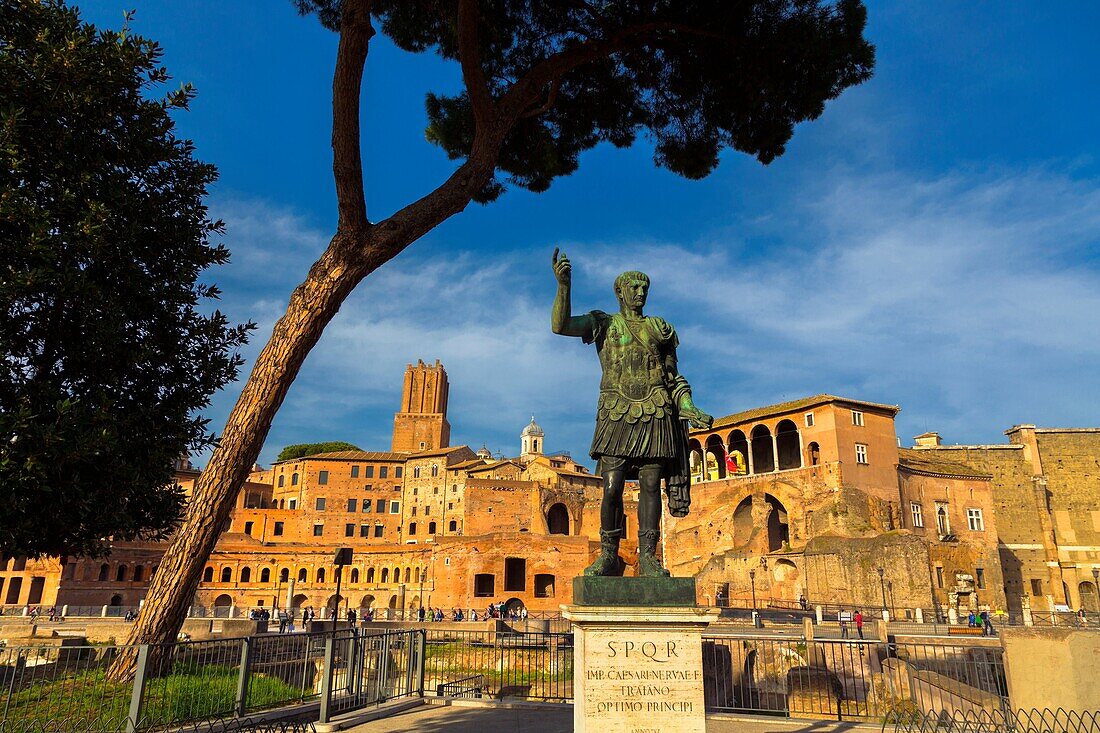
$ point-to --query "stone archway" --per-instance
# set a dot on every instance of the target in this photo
(1087, 592)
(763, 453)
(779, 530)
(557, 519)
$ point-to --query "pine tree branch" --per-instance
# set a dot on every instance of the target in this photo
(347, 80)
(473, 76)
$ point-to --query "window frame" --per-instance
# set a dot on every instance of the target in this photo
(975, 519)
(808, 419)
(916, 514)
(858, 419)
(861, 455)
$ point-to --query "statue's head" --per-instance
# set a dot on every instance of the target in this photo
(632, 288)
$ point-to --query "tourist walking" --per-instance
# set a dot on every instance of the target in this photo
(842, 616)
(987, 625)
(859, 623)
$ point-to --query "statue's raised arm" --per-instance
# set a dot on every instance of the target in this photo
(561, 316)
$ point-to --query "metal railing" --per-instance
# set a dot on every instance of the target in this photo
(1035, 720)
(849, 680)
(62, 687)
(532, 666)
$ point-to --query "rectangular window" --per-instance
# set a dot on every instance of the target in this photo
(809, 419)
(318, 530)
(397, 471)
(918, 514)
(939, 577)
(484, 585)
(383, 471)
(320, 503)
(368, 487)
(515, 574)
(349, 530)
(857, 418)
(861, 453)
(427, 510)
(1036, 587)
(278, 529)
(248, 527)
(292, 504)
(367, 504)
(979, 577)
(395, 507)
(378, 530)
(355, 471)
(364, 530)
(352, 504)
(974, 520)
(380, 506)
(368, 472)
(414, 511)
(322, 477)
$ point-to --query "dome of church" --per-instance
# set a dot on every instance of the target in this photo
(532, 429)
(484, 453)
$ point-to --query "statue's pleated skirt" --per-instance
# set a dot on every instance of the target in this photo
(649, 437)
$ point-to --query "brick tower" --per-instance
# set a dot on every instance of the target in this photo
(421, 424)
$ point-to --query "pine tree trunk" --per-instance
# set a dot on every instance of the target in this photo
(312, 305)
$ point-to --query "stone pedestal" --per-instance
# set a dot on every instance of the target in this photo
(638, 668)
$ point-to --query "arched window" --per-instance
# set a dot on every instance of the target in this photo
(284, 575)
(320, 575)
(815, 453)
(370, 575)
(355, 575)
(432, 528)
(397, 575)
(408, 574)
(265, 575)
(227, 575)
(738, 450)
(282, 481)
(557, 519)
(412, 529)
(695, 453)
(139, 573)
(786, 441)
(435, 470)
(207, 575)
(779, 533)
(385, 575)
(763, 457)
(294, 479)
(246, 575)
(302, 575)
(416, 472)
(715, 459)
(120, 574)
(105, 570)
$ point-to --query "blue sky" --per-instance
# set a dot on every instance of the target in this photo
(932, 241)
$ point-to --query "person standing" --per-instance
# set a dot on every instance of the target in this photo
(987, 624)
(842, 617)
(859, 623)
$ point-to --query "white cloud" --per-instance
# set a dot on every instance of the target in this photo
(970, 299)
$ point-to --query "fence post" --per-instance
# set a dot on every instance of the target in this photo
(242, 677)
(326, 679)
(137, 696)
(421, 638)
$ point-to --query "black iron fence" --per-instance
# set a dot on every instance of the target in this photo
(64, 687)
(531, 666)
(1035, 720)
(849, 680)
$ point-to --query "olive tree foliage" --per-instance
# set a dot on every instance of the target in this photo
(543, 82)
(106, 354)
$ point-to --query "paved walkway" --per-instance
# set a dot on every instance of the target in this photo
(559, 719)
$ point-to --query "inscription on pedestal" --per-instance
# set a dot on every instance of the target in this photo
(644, 681)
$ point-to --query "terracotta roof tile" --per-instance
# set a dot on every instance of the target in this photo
(923, 461)
(792, 406)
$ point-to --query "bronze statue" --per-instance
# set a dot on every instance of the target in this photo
(644, 402)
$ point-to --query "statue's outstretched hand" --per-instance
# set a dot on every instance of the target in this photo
(698, 419)
(563, 271)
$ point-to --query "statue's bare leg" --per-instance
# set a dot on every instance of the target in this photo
(649, 520)
(611, 512)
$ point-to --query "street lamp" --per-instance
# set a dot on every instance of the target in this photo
(752, 579)
(882, 584)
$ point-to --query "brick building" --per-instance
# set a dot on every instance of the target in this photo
(806, 498)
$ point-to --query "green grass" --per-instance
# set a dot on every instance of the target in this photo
(192, 693)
